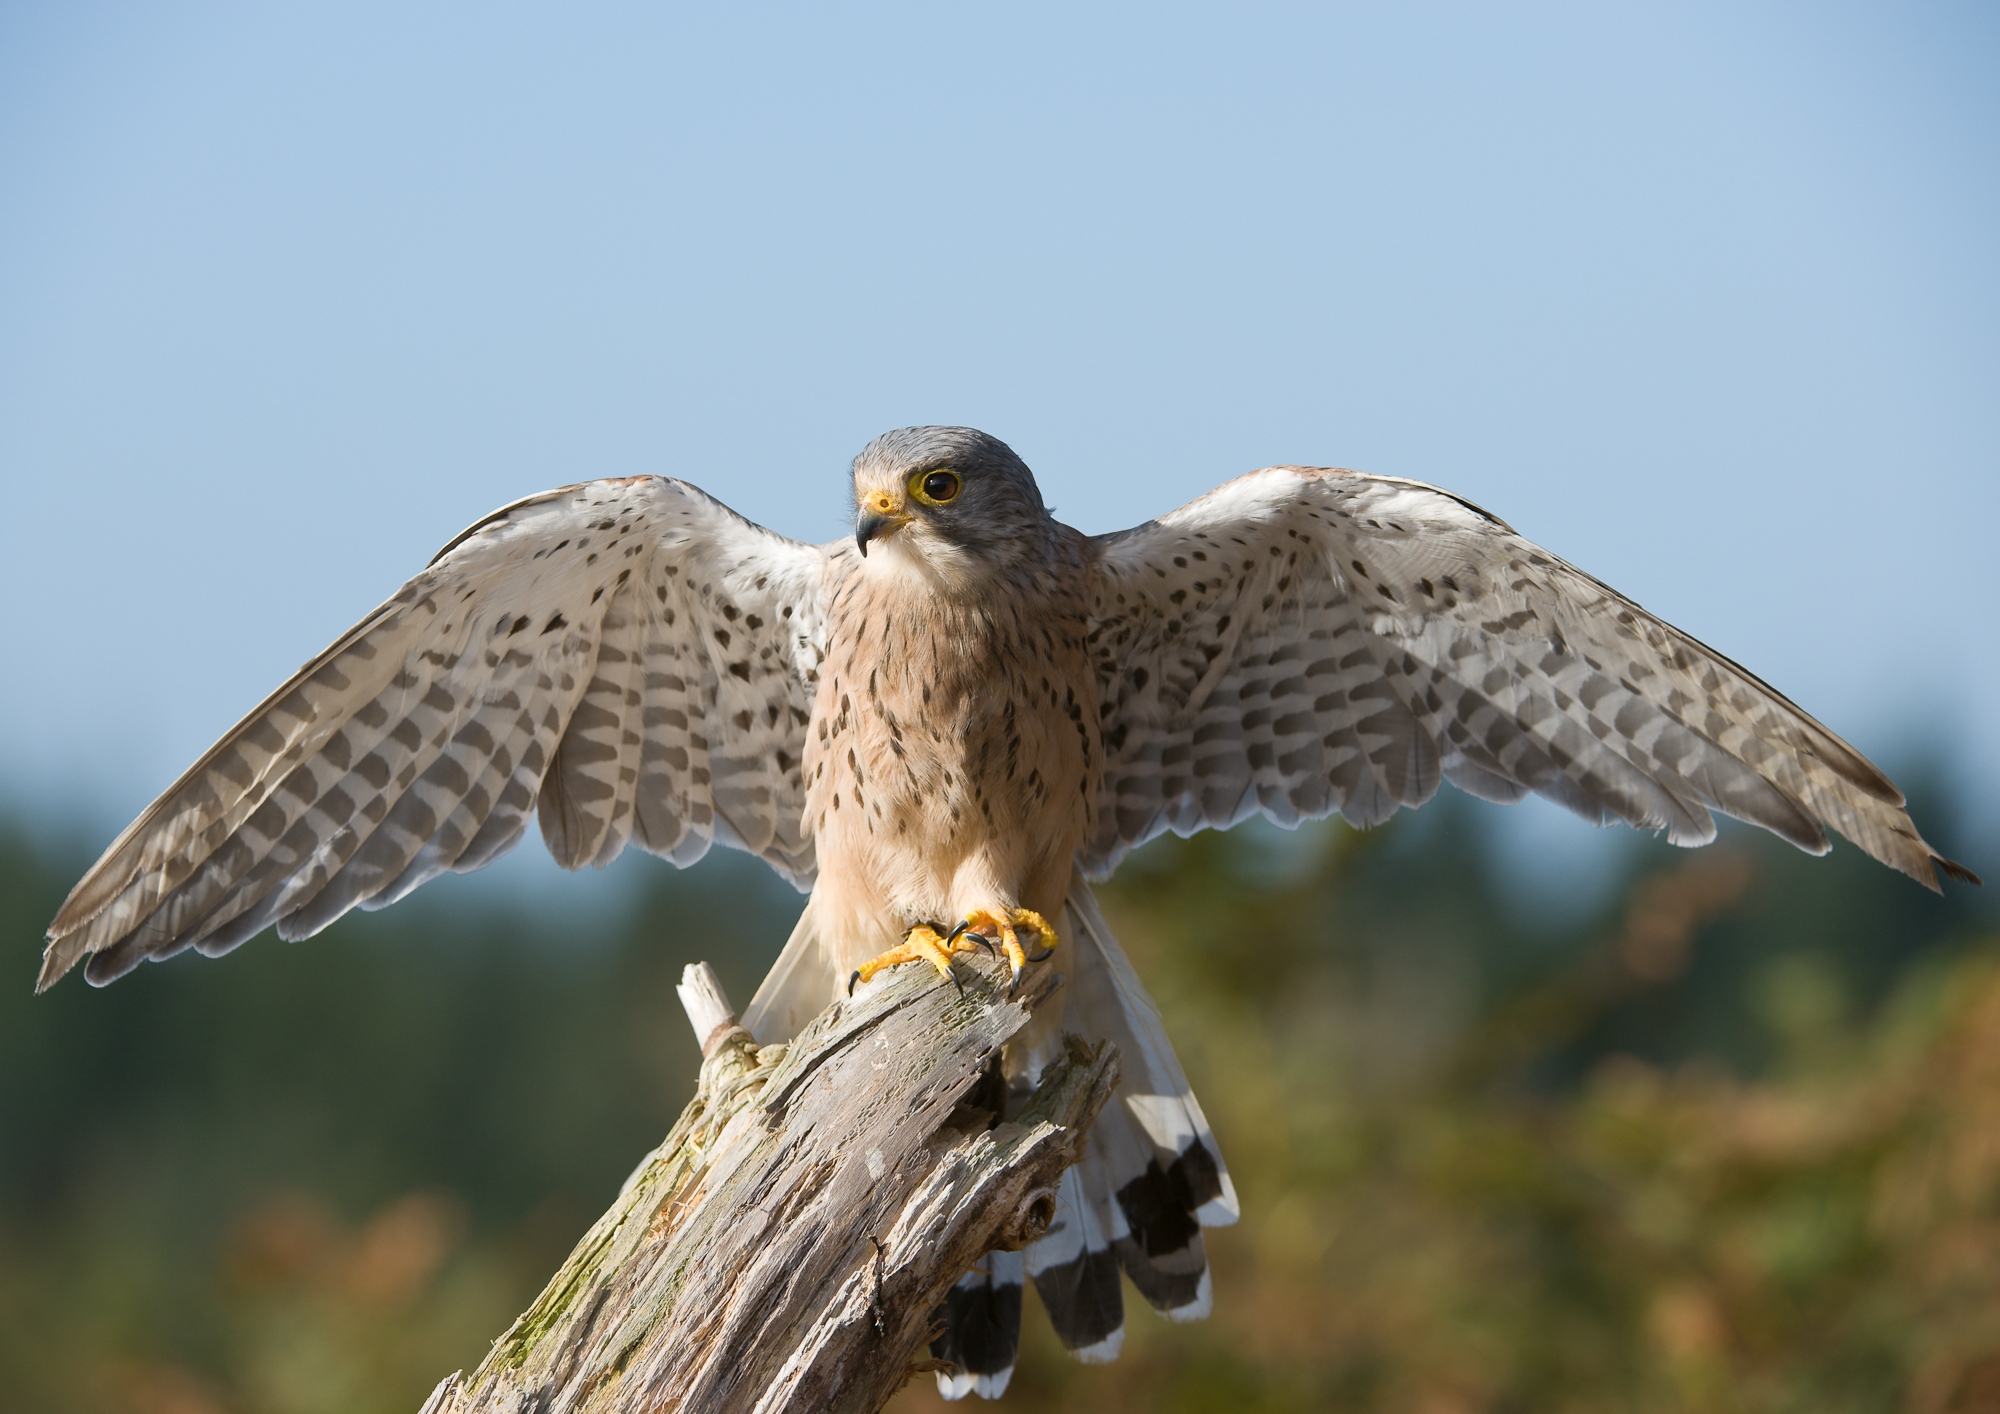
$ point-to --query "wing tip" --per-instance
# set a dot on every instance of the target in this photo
(55, 962)
(91, 896)
(1953, 870)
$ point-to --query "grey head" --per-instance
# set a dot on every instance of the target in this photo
(948, 499)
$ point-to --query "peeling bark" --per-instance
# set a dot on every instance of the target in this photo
(787, 1245)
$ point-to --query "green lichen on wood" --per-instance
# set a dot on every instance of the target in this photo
(730, 1083)
(727, 1263)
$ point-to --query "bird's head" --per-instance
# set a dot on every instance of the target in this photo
(947, 501)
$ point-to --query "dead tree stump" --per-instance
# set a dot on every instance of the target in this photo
(785, 1248)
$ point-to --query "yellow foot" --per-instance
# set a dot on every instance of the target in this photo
(919, 943)
(1007, 925)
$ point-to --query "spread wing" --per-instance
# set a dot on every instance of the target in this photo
(631, 655)
(1305, 640)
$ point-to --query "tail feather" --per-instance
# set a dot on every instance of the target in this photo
(982, 1328)
(1151, 1176)
(798, 987)
(1106, 999)
(1150, 1179)
(1075, 1268)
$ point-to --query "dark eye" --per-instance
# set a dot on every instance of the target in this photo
(941, 486)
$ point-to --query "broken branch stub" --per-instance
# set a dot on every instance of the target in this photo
(787, 1245)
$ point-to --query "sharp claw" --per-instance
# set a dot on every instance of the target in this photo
(852, 978)
(1043, 956)
(964, 929)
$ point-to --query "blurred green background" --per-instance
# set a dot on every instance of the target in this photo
(1719, 1132)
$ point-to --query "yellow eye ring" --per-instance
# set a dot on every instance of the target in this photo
(935, 487)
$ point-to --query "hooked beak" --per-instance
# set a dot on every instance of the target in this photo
(880, 514)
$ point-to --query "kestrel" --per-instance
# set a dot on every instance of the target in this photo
(943, 727)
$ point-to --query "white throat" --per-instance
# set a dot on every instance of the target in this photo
(937, 566)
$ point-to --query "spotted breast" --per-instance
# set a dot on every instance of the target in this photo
(955, 748)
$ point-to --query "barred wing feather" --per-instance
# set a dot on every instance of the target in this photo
(631, 657)
(1304, 640)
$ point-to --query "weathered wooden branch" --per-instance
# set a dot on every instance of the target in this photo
(785, 1248)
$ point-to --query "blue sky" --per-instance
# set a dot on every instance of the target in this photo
(1702, 297)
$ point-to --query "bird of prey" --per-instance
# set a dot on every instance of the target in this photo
(943, 727)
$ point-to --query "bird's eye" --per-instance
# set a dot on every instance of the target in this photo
(937, 487)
